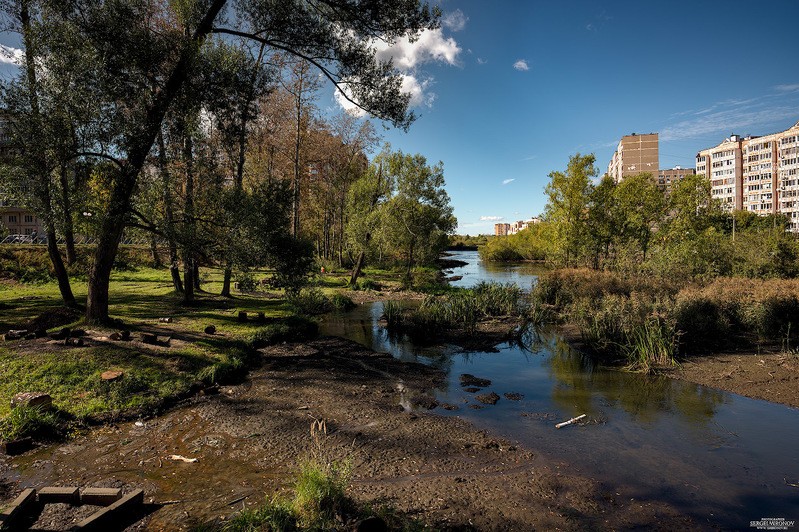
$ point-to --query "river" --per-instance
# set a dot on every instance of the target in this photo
(724, 459)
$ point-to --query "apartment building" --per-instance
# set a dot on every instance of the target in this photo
(14, 219)
(756, 173)
(501, 229)
(671, 176)
(723, 165)
(635, 154)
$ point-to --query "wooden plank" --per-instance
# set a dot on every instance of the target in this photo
(66, 495)
(12, 513)
(110, 516)
(100, 496)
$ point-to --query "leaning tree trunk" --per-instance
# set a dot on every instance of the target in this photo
(114, 220)
(58, 266)
(69, 232)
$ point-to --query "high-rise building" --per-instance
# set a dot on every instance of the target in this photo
(757, 174)
(501, 229)
(723, 165)
(635, 154)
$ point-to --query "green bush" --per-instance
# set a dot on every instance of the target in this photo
(342, 302)
(310, 301)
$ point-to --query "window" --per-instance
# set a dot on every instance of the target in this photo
(28, 218)
(12, 219)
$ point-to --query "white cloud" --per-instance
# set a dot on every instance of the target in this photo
(491, 218)
(10, 55)
(521, 65)
(407, 57)
(429, 47)
(506, 181)
(455, 20)
(481, 61)
(731, 116)
(788, 88)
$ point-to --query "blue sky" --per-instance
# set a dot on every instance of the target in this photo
(595, 71)
(508, 90)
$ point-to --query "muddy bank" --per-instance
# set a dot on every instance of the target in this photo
(249, 439)
(771, 376)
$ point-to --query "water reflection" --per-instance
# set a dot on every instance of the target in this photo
(720, 457)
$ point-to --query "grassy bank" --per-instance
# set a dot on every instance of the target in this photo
(153, 375)
(647, 322)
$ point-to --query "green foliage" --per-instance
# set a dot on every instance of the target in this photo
(393, 313)
(651, 344)
(229, 370)
(310, 301)
(25, 421)
(293, 264)
(320, 493)
(341, 302)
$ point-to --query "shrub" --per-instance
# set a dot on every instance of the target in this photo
(310, 301)
(393, 313)
(229, 370)
(342, 302)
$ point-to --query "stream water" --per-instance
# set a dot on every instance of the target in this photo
(724, 459)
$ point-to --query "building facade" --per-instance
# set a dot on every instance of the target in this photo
(723, 165)
(635, 154)
(501, 229)
(671, 176)
(14, 219)
(757, 174)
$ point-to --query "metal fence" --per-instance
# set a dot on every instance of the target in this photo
(79, 240)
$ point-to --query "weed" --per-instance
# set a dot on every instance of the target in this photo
(393, 313)
(310, 301)
(341, 302)
(652, 344)
(29, 421)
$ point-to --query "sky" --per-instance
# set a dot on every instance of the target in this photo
(507, 90)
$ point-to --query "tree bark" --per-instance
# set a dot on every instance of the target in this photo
(226, 283)
(114, 220)
(69, 232)
(37, 162)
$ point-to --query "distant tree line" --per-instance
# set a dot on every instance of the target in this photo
(634, 226)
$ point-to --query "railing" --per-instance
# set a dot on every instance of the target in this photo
(79, 240)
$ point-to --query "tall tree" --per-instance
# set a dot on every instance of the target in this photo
(145, 51)
(568, 200)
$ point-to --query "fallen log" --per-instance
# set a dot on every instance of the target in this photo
(569, 422)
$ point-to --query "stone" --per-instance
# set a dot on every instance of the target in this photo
(15, 447)
(488, 398)
(242, 316)
(149, 338)
(115, 336)
(64, 495)
(74, 342)
(109, 517)
(125, 335)
(60, 335)
(471, 389)
(111, 375)
(513, 396)
(100, 496)
(39, 400)
(165, 320)
(12, 513)
(470, 380)
(210, 329)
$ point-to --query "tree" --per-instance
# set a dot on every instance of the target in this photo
(639, 204)
(568, 201)
(144, 51)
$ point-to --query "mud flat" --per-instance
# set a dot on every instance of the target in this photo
(248, 440)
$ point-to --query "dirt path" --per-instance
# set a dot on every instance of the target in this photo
(248, 440)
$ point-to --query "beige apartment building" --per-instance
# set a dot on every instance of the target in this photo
(501, 229)
(723, 165)
(635, 154)
(671, 176)
(757, 174)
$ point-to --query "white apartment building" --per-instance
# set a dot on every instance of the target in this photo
(757, 174)
(723, 165)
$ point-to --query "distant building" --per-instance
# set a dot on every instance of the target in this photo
(635, 154)
(16, 219)
(501, 229)
(669, 177)
(759, 174)
(723, 165)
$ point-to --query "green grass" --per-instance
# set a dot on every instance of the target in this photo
(139, 297)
